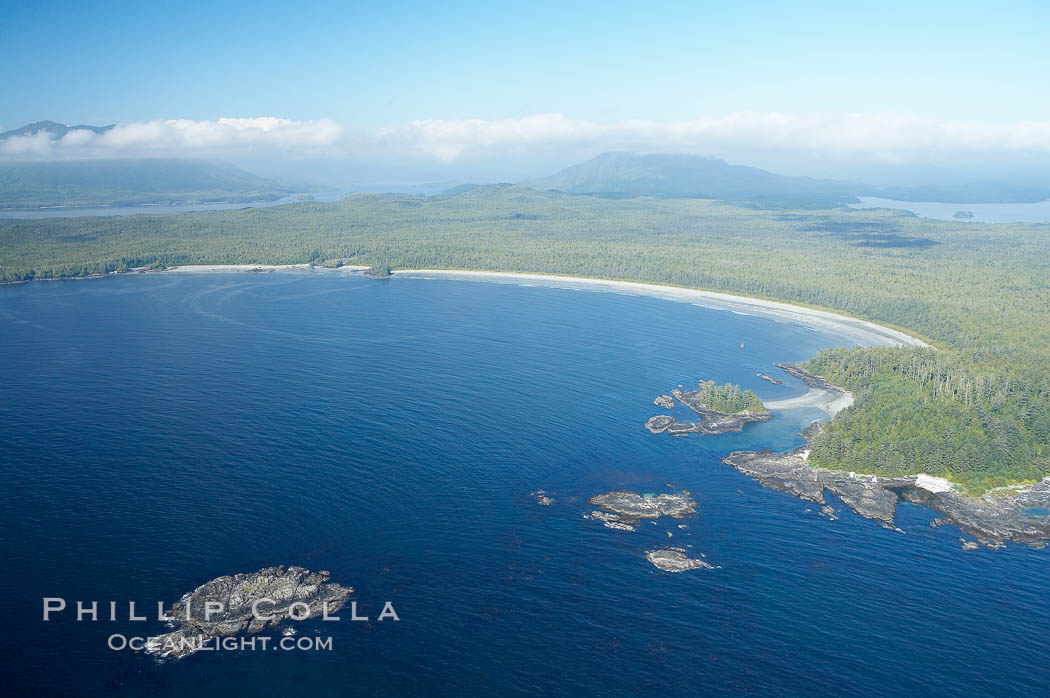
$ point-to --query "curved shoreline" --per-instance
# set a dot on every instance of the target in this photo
(863, 332)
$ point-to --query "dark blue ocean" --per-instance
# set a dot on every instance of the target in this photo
(159, 431)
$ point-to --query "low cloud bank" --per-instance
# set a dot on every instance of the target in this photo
(878, 140)
(180, 136)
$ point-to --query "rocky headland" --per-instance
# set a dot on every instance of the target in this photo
(1018, 515)
(289, 592)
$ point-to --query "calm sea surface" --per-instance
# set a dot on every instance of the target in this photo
(982, 213)
(159, 431)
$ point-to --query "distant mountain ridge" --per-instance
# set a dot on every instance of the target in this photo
(683, 175)
(54, 128)
(35, 184)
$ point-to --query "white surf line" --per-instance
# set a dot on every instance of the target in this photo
(862, 332)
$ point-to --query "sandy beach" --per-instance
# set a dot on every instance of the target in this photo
(831, 402)
(861, 332)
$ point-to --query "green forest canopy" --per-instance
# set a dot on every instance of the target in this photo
(976, 411)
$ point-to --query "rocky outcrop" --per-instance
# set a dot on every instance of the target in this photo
(609, 520)
(808, 378)
(711, 422)
(660, 423)
(630, 507)
(674, 560)
(1019, 515)
(246, 603)
(665, 401)
(767, 377)
(788, 472)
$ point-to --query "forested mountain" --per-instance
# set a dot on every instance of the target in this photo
(976, 410)
(681, 175)
(128, 182)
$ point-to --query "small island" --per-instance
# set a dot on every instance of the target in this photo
(675, 560)
(625, 508)
(767, 377)
(963, 214)
(722, 408)
(284, 590)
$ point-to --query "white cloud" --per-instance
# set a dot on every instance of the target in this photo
(878, 138)
(180, 137)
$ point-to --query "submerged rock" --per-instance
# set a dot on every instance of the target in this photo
(674, 560)
(631, 506)
(659, 423)
(281, 592)
(541, 498)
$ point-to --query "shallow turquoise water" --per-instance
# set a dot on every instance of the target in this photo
(159, 431)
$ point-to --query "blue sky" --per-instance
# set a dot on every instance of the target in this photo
(395, 62)
(822, 81)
